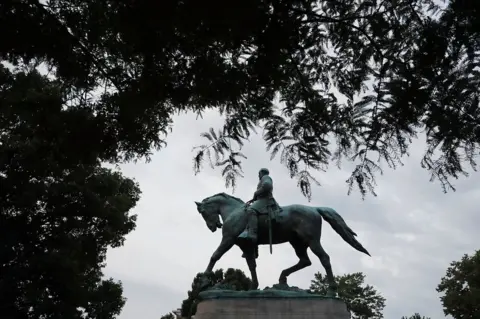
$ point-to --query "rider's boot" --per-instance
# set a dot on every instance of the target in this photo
(252, 227)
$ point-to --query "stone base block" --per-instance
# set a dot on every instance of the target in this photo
(271, 306)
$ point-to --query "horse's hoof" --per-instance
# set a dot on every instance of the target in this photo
(204, 285)
(204, 282)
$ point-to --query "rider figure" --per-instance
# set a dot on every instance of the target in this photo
(261, 203)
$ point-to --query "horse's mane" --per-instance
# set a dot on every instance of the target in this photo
(225, 195)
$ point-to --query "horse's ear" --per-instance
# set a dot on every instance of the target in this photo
(198, 204)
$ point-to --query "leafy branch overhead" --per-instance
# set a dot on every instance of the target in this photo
(327, 81)
(223, 155)
(359, 81)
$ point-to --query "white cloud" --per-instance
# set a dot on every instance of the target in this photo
(412, 229)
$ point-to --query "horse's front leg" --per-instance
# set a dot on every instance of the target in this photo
(225, 245)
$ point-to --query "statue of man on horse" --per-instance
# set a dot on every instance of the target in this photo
(298, 225)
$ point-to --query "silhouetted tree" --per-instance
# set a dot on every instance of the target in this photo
(235, 279)
(363, 301)
(60, 210)
(461, 288)
(416, 316)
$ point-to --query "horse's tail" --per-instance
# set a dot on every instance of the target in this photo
(339, 225)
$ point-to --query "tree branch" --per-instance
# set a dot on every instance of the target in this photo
(76, 38)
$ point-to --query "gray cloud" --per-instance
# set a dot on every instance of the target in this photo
(412, 229)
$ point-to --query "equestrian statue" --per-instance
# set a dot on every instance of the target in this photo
(261, 221)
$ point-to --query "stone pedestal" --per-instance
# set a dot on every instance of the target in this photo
(272, 304)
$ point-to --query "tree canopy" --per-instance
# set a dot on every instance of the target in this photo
(234, 279)
(326, 81)
(461, 288)
(59, 208)
(363, 301)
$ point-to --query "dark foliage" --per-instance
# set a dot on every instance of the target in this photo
(59, 209)
(461, 288)
(416, 316)
(363, 301)
(168, 316)
(234, 279)
(400, 67)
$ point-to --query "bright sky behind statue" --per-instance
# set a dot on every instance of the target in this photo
(412, 229)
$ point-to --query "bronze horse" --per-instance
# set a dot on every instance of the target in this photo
(299, 225)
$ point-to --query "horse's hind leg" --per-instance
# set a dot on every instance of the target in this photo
(303, 261)
(318, 250)
(252, 265)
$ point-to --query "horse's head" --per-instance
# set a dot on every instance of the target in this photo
(211, 214)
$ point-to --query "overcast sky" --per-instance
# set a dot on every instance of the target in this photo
(412, 229)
